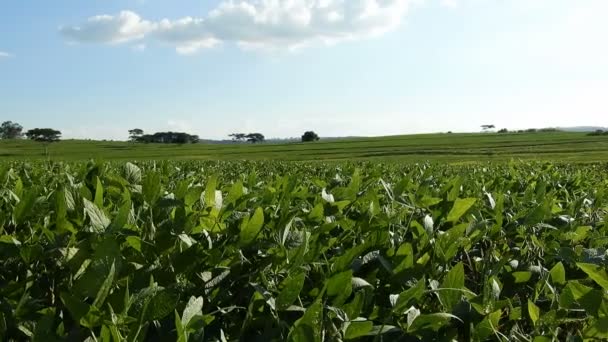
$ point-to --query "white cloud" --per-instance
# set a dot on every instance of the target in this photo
(6, 54)
(283, 24)
(124, 27)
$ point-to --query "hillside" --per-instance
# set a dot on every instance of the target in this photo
(557, 146)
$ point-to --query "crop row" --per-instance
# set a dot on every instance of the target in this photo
(207, 251)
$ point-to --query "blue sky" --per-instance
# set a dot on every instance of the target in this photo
(97, 68)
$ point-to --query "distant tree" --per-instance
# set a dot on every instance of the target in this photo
(135, 134)
(238, 136)
(504, 130)
(597, 132)
(169, 138)
(310, 136)
(44, 135)
(255, 137)
(486, 128)
(10, 130)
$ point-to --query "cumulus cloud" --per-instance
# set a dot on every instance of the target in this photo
(123, 27)
(252, 24)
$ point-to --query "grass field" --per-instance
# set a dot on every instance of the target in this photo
(556, 146)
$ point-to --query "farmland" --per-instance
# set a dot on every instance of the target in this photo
(453, 148)
(300, 251)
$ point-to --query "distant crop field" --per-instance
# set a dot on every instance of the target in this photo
(453, 148)
(299, 251)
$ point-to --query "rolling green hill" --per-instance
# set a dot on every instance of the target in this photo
(555, 146)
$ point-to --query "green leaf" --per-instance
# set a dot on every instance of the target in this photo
(431, 322)
(488, 327)
(450, 294)
(588, 298)
(210, 191)
(406, 297)
(340, 283)
(106, 254)
(134, 242)
(122, 217)
(98, 194)
(162, 304)
(595, 272)
(597, 329)
(105, 288)
(235, 193)
(151, 187)
(358, 329)
(309, 328)
(340, 286)
(251, 228)
(522, 277)
(291, 288)
(193, 308)
(461, 206)
(558, 274)
(542, 339)
(448, 244)
(533, 312)
(132, 173)
(181, 332)
(24, 207)
(75, 306)
(99, 220)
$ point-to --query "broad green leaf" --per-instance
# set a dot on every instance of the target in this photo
(235, 193)
(358, 329)
(597, 329)
(75, 306)
(107, 253)
(24, 207)
(309, 327)
(522, 276)
(179, 328)
(151, 187)
(430, 322)
(340, 287)
(558, 274)
(122, 217)
(210, 191)
(461, 206)
(488, 327)
(340, 283)
(98, 193)
(533, 312)
(132, 173)
(252, 227)
(404, 300)
(588, 298)
(450, 293)
(98, 219)
(595, 272)
(104, 290)
(193, 308)
(134, 242)
(291, 288)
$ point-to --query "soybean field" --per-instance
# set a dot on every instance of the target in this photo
(298, 251)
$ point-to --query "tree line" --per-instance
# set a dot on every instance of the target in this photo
(13, 130)
(137, 135)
